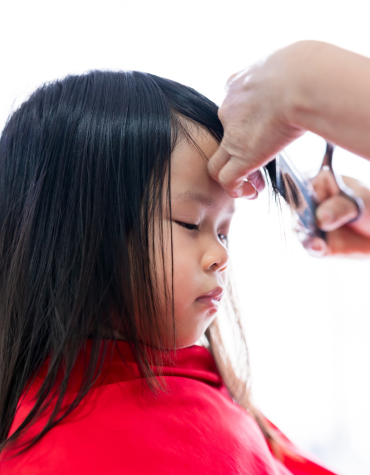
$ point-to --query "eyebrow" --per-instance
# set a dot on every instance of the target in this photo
(191, 196)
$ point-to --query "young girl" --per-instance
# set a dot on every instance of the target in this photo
(114, 262)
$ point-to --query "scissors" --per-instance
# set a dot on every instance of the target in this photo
(289, 180)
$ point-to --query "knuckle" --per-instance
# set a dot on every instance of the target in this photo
(232, 78)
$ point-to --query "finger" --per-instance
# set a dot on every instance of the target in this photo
(325, 185)
(249, 191)
(257, 180)
(315, 246)
(346, 242)
(335, 212)
(231, 176)
(218, 161)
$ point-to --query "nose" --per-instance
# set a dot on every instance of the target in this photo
(216, 257)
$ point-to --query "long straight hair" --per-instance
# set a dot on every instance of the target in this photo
(83, 166)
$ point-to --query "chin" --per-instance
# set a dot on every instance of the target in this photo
(185, 341)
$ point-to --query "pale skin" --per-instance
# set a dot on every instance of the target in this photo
(201, 217)
(309, 85)
(199, 230)
(200, 220)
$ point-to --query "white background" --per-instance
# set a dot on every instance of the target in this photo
(307, 319)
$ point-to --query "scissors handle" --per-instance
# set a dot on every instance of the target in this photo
(327, 163)
(344, 190)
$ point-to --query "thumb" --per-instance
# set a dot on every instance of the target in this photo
(218, 161)
(335, 212)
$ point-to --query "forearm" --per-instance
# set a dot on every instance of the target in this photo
(329, 94)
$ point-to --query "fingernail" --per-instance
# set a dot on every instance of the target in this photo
(325, 216)
(254, 197)
(317, 248)
(236, 193)
(257, 180)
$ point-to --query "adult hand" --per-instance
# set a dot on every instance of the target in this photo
(256, 125)
(309, 85)
(333, 214)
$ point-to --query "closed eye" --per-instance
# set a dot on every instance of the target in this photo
(192, 227)
(195, 227)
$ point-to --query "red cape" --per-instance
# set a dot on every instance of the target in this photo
(122, 428)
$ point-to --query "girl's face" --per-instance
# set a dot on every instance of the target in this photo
(201, 215)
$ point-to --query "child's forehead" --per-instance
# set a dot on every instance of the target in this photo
(193, 196)
(190, 156)
(190, 180)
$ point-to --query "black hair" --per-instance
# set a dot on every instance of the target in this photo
(83, 166)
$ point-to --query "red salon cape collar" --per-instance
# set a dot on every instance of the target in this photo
(121, 428)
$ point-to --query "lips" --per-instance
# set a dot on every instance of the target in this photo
(212, 298)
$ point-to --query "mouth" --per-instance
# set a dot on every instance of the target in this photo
(212, 298)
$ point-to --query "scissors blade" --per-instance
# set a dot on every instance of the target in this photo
(307, 211)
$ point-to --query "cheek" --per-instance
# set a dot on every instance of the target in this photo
(184, 265)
